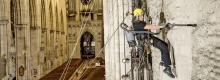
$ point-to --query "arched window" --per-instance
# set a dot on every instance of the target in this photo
(87, 46)
(86, 1)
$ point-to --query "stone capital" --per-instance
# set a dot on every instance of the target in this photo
(4, 21)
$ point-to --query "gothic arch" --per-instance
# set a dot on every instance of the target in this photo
(87, 46)
(90, 31)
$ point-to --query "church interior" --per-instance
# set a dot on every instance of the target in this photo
(85, 40)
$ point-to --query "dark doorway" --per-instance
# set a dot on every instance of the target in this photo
(87, 45)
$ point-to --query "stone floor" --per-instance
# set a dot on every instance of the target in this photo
(56, 73)
(90, 73)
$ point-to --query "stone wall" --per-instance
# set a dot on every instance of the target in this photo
(116, 48)
(206, 37)
(6, 51)
(25, 37)
(196, 49)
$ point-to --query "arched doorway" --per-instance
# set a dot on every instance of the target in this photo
(87, 45)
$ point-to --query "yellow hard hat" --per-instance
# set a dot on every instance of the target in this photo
(138, 12)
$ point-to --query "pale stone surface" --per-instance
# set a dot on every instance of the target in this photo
(193, 47)
(196, 49)
(44, 48)
(116, 46)
(205, 50)
(30, 48)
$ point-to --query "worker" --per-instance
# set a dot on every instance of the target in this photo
(140, 25)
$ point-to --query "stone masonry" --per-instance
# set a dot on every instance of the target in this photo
(33, 38)
(196, 49)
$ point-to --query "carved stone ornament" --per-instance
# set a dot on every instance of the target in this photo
(21, 71)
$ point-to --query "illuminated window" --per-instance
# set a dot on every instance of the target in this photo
(86, 1)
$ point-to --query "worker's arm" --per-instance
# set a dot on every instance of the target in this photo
(153, 27)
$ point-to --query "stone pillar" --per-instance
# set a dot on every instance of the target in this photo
(43, 43)
(48, 38)
(35, 38)
(4, 41)
(106, 37)
(116, 46)
(48, 42)
(43, 50)
(3, 47)
(7, 51)
(52, 54)
(22, 25)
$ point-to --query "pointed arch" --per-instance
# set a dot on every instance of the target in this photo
(87, 46)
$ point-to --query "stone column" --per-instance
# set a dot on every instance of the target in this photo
(3, 47)
(4, 39)
(44, 35)
(106, 36)
(22, 25)
(48, 34)
(115, 51)
(35, 36)
(7, 51)
(52, 54)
